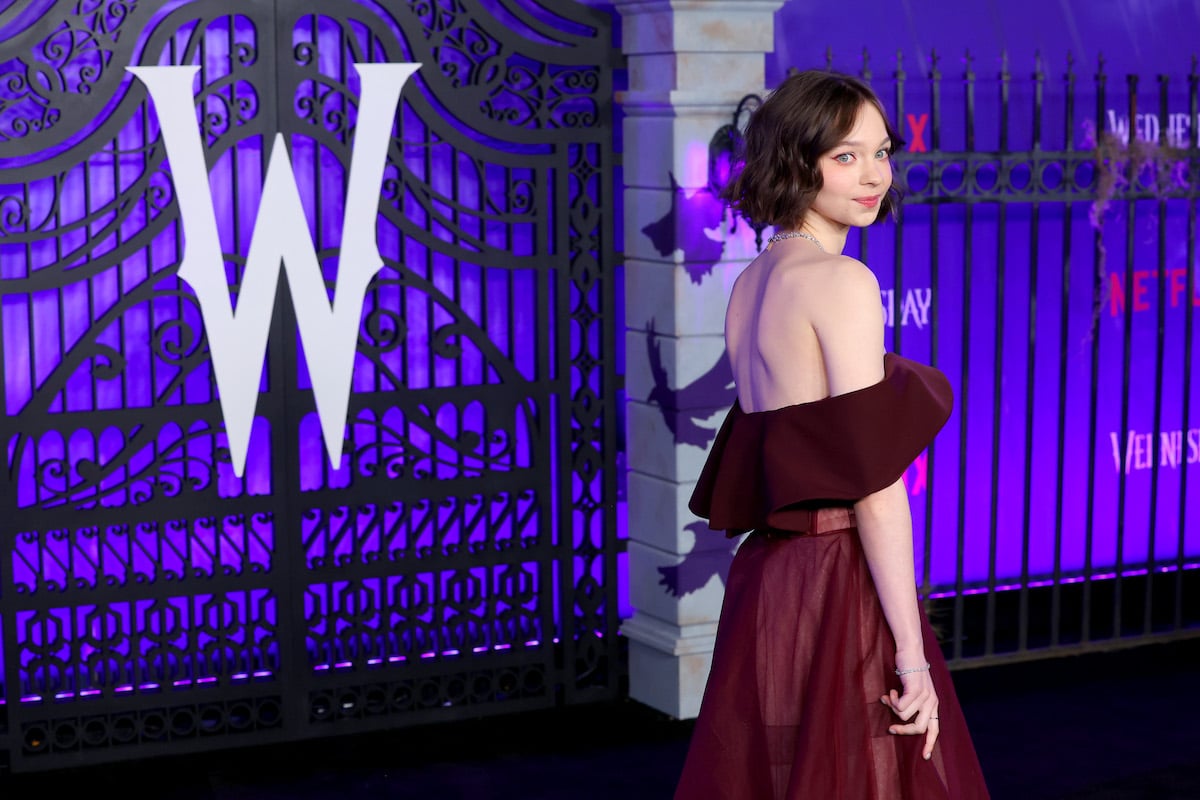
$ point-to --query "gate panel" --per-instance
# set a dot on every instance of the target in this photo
(460, 558)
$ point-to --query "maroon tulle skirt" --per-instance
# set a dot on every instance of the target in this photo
(791, 709)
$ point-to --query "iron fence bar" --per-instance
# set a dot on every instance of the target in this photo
(998, 368)
(1030, 368)
(1131, 84)
(1063, 331)
(1193, 156)
(560, 487)
(1006, 163)
(935, 116)
(963, 383)
(1161, 269)
(1101, 81)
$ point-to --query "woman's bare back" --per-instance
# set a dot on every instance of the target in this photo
(787, 311)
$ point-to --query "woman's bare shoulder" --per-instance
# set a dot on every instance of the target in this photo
(827, 277)
(848, 274)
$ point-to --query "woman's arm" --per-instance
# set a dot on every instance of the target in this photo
(851, 337)
(885, 529)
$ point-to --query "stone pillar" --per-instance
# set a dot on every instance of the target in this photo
(690, 63)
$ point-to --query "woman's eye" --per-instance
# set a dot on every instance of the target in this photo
(882, 153)
(843, 158)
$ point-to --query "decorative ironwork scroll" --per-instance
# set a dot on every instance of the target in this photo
(461, 558)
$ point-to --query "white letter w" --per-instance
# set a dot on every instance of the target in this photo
(238, 339)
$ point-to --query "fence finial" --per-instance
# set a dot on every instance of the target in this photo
(866, 64)
(829, 57)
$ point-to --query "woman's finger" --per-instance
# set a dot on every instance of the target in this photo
(905, 707)
(935, 727)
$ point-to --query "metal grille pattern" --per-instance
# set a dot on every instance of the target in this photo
(461, 558)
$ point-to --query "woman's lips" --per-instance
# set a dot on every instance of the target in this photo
(869, 202)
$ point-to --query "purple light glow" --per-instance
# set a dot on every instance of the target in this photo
(1038, 584)
(426, 655)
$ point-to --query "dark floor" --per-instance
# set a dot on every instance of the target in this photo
(1115, 726)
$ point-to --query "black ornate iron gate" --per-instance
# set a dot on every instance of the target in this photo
(461, 559)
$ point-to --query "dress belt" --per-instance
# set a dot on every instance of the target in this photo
(819, 521)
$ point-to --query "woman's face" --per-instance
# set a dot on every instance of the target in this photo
(857, 173)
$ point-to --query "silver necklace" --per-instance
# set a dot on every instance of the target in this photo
(779, 237)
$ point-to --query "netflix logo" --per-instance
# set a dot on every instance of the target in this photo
(1145, 290)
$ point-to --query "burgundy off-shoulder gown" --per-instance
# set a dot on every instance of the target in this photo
(803, 652)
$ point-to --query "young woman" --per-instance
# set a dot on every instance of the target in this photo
(827, 681)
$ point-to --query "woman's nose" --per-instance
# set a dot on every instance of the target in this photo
(874, 173)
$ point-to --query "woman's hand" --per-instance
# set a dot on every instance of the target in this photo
(918, 707)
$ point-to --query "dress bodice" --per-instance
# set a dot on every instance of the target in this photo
(772, 469)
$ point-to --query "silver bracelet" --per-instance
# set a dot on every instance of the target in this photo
(912, 669)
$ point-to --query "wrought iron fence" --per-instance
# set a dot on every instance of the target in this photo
(1045, 260)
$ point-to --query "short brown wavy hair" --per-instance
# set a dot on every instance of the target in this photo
(806, 116)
